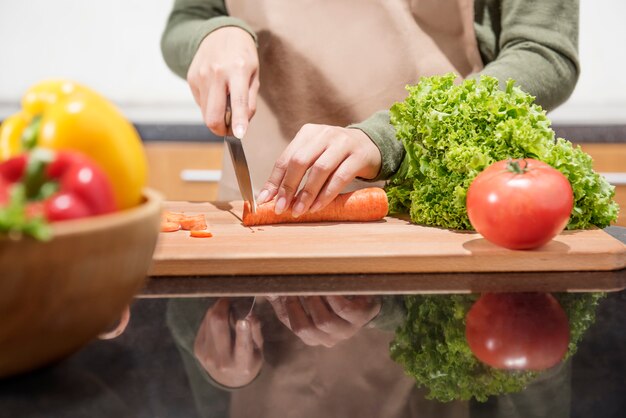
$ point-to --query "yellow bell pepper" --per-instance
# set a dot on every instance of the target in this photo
(60, 114)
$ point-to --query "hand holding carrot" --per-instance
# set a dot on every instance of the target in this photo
(326, 320)
(233, 362)
(332, 156)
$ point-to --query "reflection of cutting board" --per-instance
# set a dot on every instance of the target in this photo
(389, 246)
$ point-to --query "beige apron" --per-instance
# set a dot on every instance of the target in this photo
(337, 62)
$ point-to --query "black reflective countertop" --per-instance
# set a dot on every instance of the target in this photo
(142, 374)
(306, 356)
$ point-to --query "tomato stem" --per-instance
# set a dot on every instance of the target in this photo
(514, 167)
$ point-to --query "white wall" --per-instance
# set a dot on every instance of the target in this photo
(113, 46)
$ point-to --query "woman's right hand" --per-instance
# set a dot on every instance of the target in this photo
(232, 358)
(226, 63)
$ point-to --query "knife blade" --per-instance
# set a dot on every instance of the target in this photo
(240, 164)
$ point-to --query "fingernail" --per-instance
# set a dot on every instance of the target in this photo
(271, 298)
(316, 206)
(239, 131)
(280, 206)
(243, 324)
(262, 196)
(298, 208)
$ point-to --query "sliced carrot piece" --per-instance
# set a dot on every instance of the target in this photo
(200, 233)
(174, 216)
(193, 222)
(170, 226)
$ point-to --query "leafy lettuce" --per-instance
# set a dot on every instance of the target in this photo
(451, 132)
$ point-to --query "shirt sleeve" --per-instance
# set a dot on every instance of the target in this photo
(189, 22)
(536, 45)
(534, 42)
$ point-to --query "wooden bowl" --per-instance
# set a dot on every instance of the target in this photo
(56, 296)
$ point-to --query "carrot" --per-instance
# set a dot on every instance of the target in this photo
(169, 226)
(200, 233)
(363, 205)
(173, 216)
(193, 222)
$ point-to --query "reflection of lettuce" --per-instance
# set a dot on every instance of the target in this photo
(431, 346)
(451, 132)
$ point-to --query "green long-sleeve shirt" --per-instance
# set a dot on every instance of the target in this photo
(534, 42)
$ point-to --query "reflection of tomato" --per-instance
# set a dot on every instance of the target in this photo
(522, 331)
(519, 204)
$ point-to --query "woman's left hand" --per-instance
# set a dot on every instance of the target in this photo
(325, 320)
(332, 156)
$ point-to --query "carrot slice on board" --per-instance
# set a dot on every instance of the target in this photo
(200, 233)
(174, 216)
(193, 222)
(362, 205)
(170, 226)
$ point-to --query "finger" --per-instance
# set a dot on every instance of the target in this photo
(204, 343)
(278, 304)
(219, 326)
(270, 188)
(252, 94)
(326, 320)
(338, 180)
(215, 106)
(257, 336)
(358, 310)
(302, 325)
(120, 328)
(319, 174)
(244, 347)
(238, 90)
(307, 146)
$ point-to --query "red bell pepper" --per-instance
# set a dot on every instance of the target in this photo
(4, 192)
(59, 185)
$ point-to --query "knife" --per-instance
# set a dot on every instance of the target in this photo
(242, 172)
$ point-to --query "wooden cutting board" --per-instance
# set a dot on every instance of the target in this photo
(392, 245)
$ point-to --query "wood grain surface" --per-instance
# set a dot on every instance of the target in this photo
(390, 246)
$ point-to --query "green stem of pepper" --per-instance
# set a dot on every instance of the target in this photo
(30, 136)
(34, 178)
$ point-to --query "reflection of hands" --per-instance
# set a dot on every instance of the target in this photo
(226, 63)
(326, 320)
(232, 360)
(331, 155)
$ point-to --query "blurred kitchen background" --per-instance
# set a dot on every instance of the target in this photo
(113, 47)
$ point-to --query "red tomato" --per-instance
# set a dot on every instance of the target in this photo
(517, 331)
(519, 204)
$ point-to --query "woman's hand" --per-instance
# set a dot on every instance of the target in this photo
(331, 155)
(226, 63)
(326, 320)
(233, 361)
